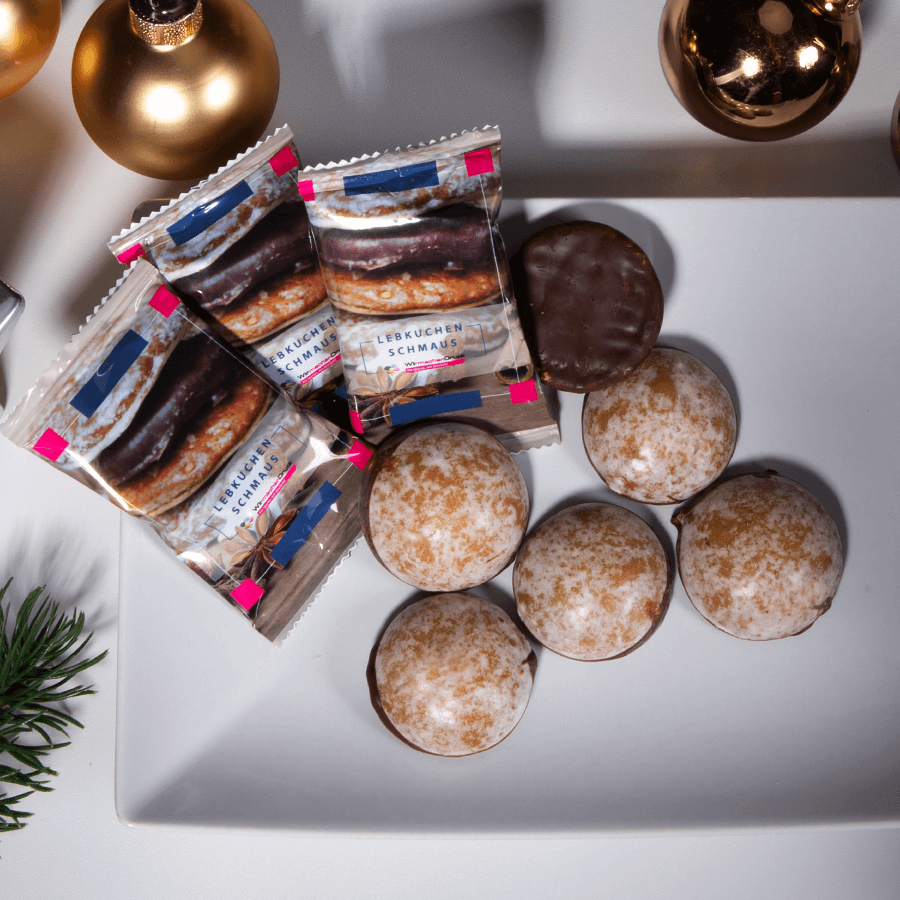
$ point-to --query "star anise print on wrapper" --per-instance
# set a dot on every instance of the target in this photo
(255, 559)
(375, 399)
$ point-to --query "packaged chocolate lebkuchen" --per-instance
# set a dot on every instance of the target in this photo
(416, 270)
(149, 407)
(237, 247)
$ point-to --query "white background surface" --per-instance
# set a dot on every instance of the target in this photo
(693, 730)
(585, 111)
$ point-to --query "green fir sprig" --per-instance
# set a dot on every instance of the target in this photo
(38, 659)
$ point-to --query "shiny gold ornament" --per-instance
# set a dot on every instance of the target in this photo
(760, 70)
(175, 88)
(28, 30)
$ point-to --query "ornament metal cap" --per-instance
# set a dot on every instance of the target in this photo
(162, 30)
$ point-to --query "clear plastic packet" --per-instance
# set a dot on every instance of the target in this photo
(147, 406)
(416, 270)
(237, 247)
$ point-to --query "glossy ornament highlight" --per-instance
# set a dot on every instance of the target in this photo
(28, 30)
(175, 88)
(760, 70)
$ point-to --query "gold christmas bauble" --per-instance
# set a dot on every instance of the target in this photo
(760, 70)
(175, 88)
(28, 30)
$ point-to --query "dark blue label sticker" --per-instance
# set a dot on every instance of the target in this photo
(200, 218)
(432, 406)
(406, 178)
(304, 522)
(110, 372)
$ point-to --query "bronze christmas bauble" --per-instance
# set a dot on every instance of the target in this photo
(760, 70)
(175, 88)
(28, 30)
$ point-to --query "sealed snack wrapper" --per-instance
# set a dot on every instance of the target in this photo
(238, 248)
(415, 267)
(148, 407)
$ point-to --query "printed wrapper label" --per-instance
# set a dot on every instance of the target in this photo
(251, 483)
(421, 346)
(233, 479)
(415, 267)
(389, 353)
(307, 355)
(238, 249)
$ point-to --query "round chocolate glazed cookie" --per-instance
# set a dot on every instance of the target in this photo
(759, 556)
(664, 432)
(590, 301)
(453, 674)
(444, 506)
(592, 582)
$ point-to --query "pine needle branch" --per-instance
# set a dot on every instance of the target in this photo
(39, 657)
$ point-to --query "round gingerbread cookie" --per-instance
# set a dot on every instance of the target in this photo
(592, 582)
(759, 556)
(453, 674)
(444, 506)
(590, 301)
(664, 432)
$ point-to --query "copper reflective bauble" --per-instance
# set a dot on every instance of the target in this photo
(28, 30)
(760, 70)
(176, 111)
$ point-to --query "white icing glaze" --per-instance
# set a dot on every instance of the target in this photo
(759, 556)
(664, 432)
(592, 581)
(449, 508)
(453, 674)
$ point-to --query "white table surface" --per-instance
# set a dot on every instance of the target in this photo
(585, 111)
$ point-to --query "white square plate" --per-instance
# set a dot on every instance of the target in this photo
(794, 303)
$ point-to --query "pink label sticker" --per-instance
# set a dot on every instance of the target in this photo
(306, 189)
(164, 302)
(127, 257)
(359, 454)
(283, 161)
(356, 421)
(51, 445)
(247, 593)
(479, 162)
(523, 392)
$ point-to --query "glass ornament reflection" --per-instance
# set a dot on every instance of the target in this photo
(760, 70)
